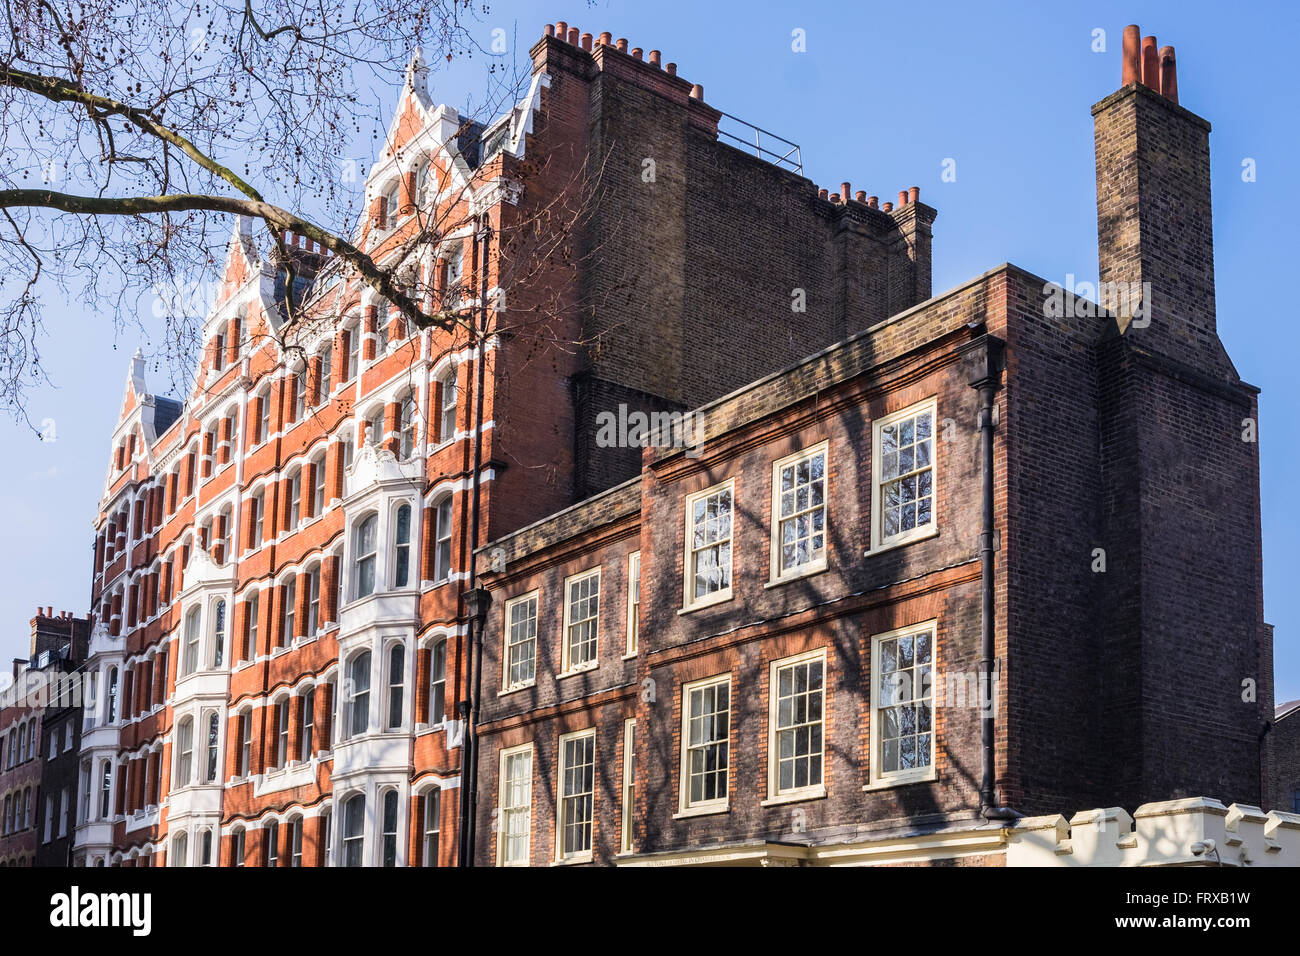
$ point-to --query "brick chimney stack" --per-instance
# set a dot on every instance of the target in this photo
(1153, 210)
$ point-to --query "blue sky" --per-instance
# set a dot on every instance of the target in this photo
(882, 96)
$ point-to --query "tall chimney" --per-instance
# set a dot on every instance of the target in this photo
(1154, 230)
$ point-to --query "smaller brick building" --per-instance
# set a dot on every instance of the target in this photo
(40, 735)
(1284, 759)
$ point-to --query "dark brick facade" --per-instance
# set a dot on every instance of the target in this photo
(40, 739)
(1134, 663)
(1283, 791)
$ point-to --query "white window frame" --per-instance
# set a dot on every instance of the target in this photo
(877, 778)
(778, 573)
(812, 791)
(687, 807)
(432, 812)
(506, 810)
(878, 541)
(689, 601)
(567, 665)
(508, 644)
(627, 793)
(561, 798)
(442, 535)
(394, 689)
(448, 403)
(437, 719)
(633, 642)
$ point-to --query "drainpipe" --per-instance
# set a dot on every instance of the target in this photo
(988, 354)
(473, 636)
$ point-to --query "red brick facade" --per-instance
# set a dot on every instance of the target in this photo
(235, 531)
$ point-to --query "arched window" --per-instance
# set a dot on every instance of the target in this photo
(390, 828)
(245, 743)
(349, 441)
(318, 486)
(447, 405)
(219, 633)
(328, 827)
(341, 582)
(363, 548)
(424, 183)
(282, 733)
(324, 383)
(396, 685)
(233, 448)
(375, 427)
(250, 626)
(354, 832)
(313, 600)
(210, 452)
(271, 849)
(455, 259)
(257, 509)
(442, 541)
(264, 417)
(406, 427)
(352, 362)
(205, 848)
(287, 633)
(306, 746)
(438, 683)
(112, 697)
(226, 525)
(105, 790)
(184, 751)
(295, 841)
(214, 732)
(237, 847)
(359, 694)
(180, 849)
(190, 659)
(391, 198)
(432, 826)
(294, 516)
(300, 394)
(402, 547)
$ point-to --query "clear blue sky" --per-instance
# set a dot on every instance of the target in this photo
(882, 96)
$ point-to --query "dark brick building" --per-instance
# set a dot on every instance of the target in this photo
(40, 736)
(1283, 792)
(768, 646)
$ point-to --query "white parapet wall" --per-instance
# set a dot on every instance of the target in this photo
(1197, 831)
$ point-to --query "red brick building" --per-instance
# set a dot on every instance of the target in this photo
(278, 654)
(688, 645)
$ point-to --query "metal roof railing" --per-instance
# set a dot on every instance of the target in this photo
(779, 151)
